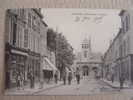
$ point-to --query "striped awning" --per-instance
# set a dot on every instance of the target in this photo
(47, 65)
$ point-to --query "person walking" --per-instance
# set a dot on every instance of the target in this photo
(31, 80)
(22, 80)
(112, 78)
(64, 76)
(56, 77)
(78, 75)
(41, 83)
(122, 79)
(69, 77)
(18, 79)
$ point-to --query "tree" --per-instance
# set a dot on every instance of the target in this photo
(57, 43)
(51, 39)
(64, 53)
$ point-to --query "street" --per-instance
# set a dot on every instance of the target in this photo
(87, 86)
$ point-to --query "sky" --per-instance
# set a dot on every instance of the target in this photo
(101, 25)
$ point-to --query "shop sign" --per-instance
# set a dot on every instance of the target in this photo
(19, 52)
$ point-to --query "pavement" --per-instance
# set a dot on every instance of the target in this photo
(87, 86)
(116, 84)
(28, 91)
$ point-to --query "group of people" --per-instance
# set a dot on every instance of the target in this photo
(70, 76)
(20, 80)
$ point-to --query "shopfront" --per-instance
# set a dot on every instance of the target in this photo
(33, 65)
(15, 65)
(49, 69)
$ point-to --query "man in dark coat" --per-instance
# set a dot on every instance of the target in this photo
(78, 75)
(64, 76)
(69, 77)
(56, 77)
(122, 79)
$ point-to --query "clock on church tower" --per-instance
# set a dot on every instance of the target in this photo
(86, 48)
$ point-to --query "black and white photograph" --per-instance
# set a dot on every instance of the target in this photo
(68, 51)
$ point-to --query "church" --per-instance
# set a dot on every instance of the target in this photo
(87, 60)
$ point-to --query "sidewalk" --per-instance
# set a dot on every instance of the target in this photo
(115, 84)
(28, 91)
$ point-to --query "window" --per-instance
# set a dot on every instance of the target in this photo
(29, 20)
(38, 27)
(34, 25)
(120, 51)
(26, 38)
(124, 48)
(33, 22)
(127, 24)
(14, 33)
(22, 14)
(128, 44)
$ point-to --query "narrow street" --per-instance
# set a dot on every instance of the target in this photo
(87, 86)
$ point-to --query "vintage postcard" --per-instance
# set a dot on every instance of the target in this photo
(57, 51)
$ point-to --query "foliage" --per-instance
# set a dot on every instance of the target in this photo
(63, 50)
(51, 39)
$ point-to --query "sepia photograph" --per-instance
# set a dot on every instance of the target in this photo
(63, 51)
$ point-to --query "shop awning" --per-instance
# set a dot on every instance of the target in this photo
(46, 66)
(50, 64)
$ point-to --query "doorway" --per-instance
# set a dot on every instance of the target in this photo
(85, 70)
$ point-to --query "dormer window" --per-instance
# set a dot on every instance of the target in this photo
(127, 23)
(125, 20)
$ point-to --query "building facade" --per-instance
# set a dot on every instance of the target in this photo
(119, 56)
(87, 60)
(23, 29)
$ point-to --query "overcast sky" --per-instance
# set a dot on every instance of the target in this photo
(76, 24)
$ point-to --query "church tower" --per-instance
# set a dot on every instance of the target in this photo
(86, 48)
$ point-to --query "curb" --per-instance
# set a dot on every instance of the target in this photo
(109, 84)
(115, 87)
(39, 90)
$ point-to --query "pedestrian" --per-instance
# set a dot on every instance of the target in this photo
(22, 80)
(41, 83)
(56, 77)
(31, 80)
(112, 78)
(122, 79)
(7, 79)
(64, 76)
(78, 75)
(48, 76)
(18, 79)
(69, 77)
